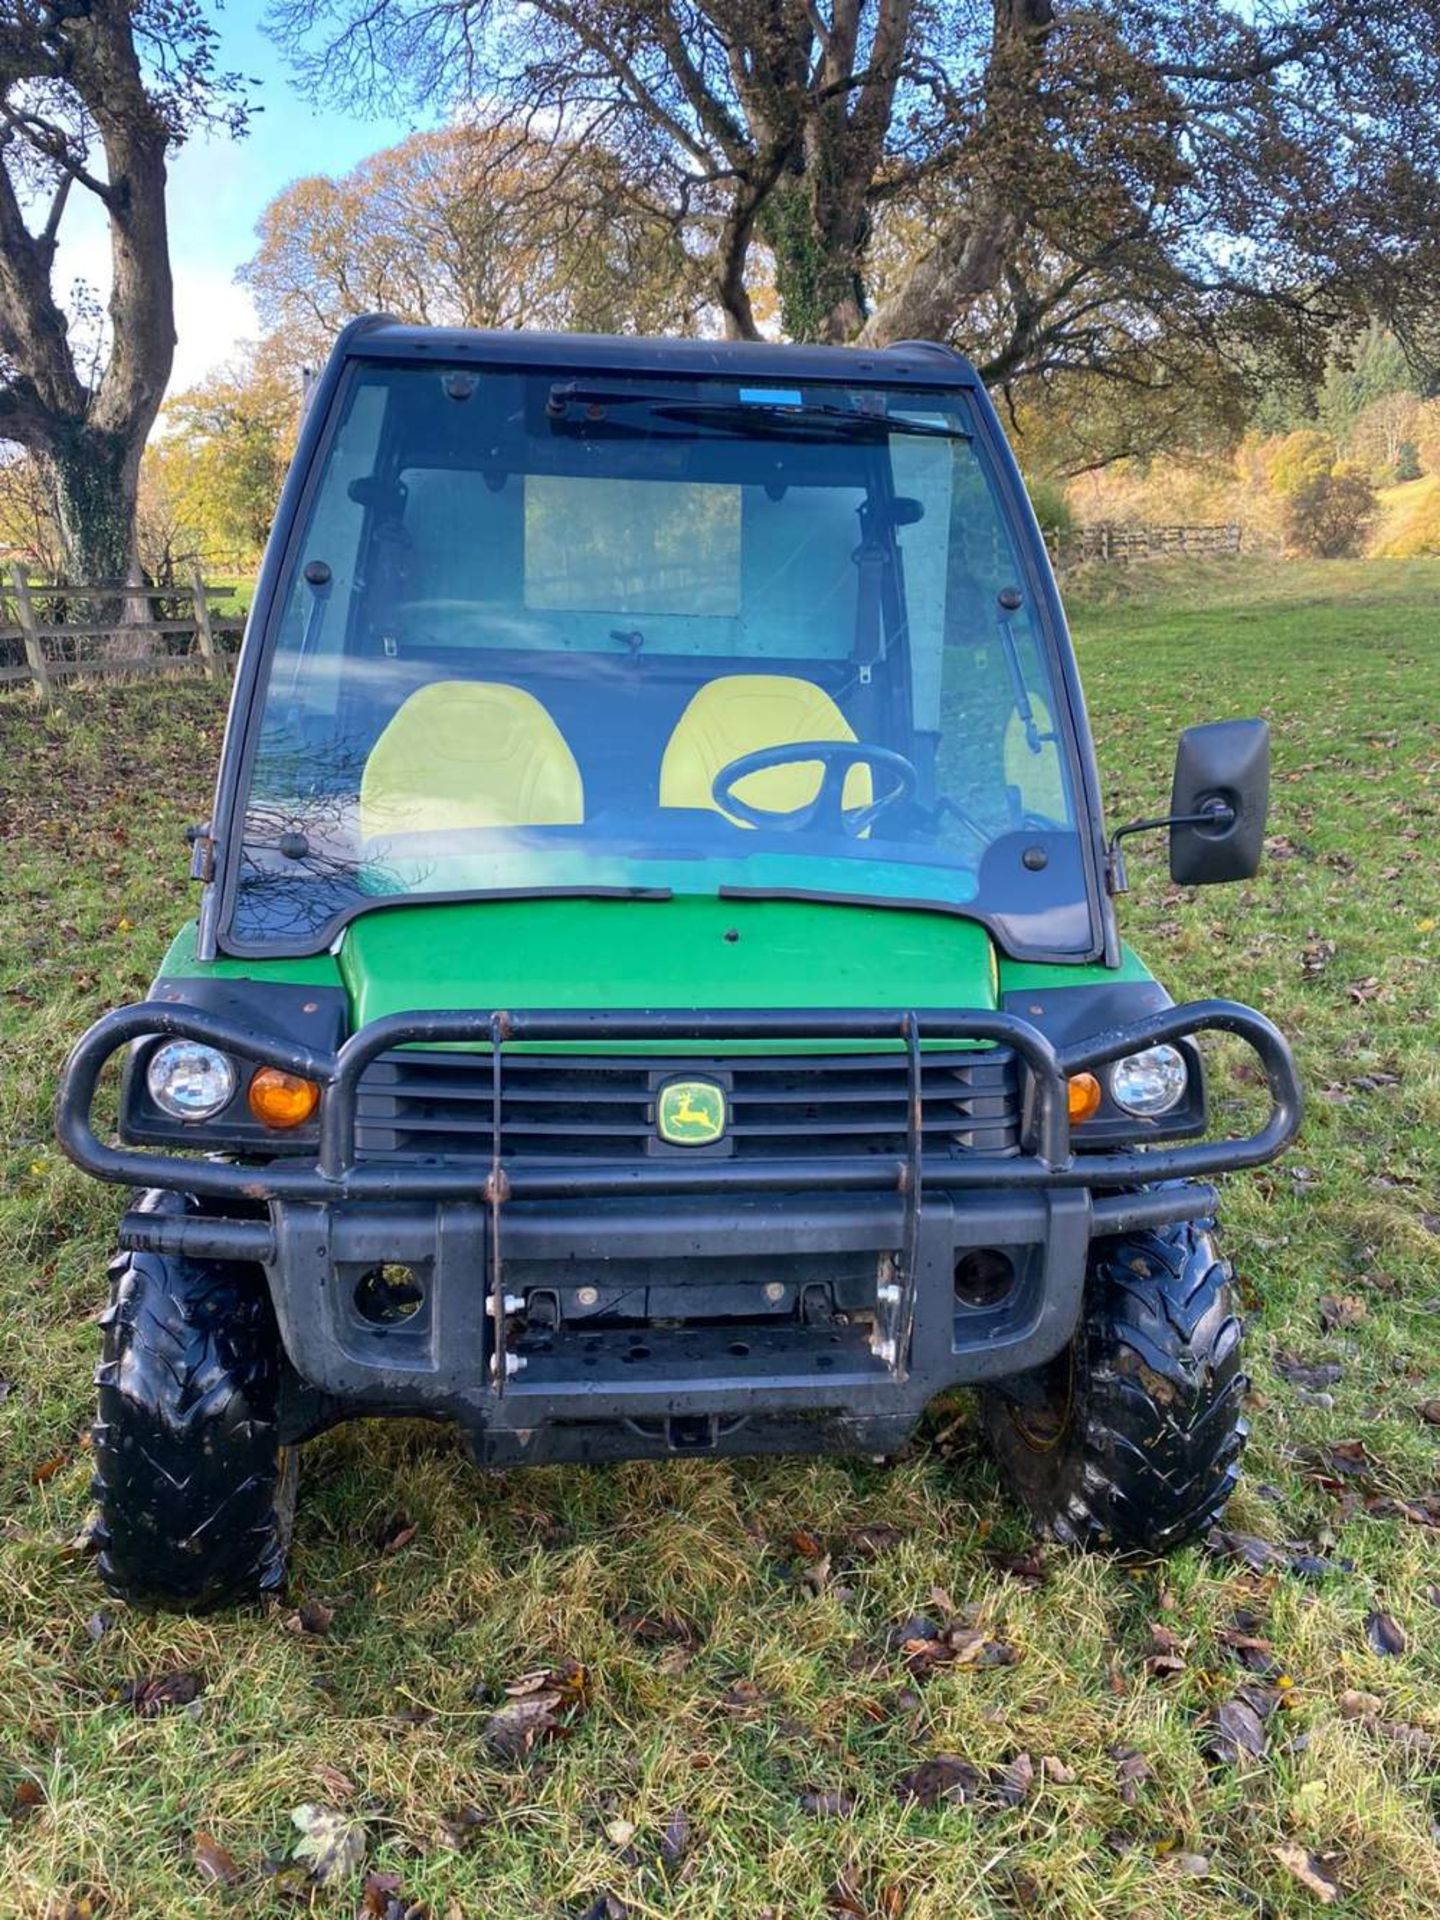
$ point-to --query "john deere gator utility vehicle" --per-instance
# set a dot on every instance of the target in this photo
(656, 987)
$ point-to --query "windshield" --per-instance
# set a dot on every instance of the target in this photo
(666, 635)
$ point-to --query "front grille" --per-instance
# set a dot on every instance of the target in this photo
(438, 1106)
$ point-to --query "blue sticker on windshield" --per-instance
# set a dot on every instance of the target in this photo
(771, 397)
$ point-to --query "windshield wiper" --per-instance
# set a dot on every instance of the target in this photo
(768, 416)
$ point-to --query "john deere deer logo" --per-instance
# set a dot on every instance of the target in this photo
(690, 1113)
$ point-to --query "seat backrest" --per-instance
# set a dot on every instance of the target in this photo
(740, 713)
(469, 753)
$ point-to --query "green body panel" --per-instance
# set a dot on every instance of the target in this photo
(690, 951)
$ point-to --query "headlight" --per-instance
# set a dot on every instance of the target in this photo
(189, 1081)
(1149, 1083)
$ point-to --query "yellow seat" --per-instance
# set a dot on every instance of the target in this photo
(741, 713)
(469, 753)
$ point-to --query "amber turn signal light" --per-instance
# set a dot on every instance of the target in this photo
(1083, 1093)
(279, 1099)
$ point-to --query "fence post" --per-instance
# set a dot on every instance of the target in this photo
(25, 614)
(204, 636)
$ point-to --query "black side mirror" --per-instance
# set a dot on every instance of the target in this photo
(1219, 802)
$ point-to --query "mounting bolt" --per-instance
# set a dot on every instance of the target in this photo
(512, 1303)
(888, 1293)
(774, 1290)
(587, 1296)
(514, 1363)
(884, 1350)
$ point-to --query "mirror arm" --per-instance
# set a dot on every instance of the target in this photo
(1215, 813)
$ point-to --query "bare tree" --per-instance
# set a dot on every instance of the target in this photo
(470, 226)
(93, 95)
(1081, 184)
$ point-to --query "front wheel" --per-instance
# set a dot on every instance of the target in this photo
(1130, 1439)
(196, 1495)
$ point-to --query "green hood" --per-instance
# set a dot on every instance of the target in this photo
(689, 951)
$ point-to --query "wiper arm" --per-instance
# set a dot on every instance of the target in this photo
(768, 416)
(776, 417)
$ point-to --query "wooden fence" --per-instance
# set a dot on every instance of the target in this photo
(1110, 544)
(50, 635)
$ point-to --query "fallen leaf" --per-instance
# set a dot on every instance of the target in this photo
(1131, 1769)
(1252, 1650)
(868, 1543)
(1315, 1376)
(512, 1730)
(1349, 1457)
(28, 1798)
(88, 1540)
(1355, 1705)
(331, 1844)
(312, 1617)
(48, 1469)
(945, 1777)
(338, 1785)
(1028, 1566)
(833, 1803)
(1164, 1666)
(816, 1577)
(743, 1697)
(606, 1906)
(1384, 1633)
(620, 1832)
(1255, 1553)
(1308, 1870)
(98, 1625)
(1165, 1658)
(155, 1693)
(1340, 1310)
(1316, 1566)
(1056, 1771)
(918, 1627)
(844, 1897)
(1430, 1413)
(661, 1629)
(675, 1840)
(806, 1544)
(395, 1534)
(1234, 1728)
(215, 1862)
(461, 1826)
(382, 1900)
(1009, 1784)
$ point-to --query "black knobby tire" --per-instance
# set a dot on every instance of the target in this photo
(1131, 1440)
(196, 1494)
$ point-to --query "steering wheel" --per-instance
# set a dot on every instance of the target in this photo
(827, 812)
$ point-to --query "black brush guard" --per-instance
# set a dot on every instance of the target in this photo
(314, 1224)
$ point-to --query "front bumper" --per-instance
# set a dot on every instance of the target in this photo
(689, 1305)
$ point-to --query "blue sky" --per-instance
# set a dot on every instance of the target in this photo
(217, 190)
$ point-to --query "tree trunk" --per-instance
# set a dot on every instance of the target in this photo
(817, 249)
(96, 482)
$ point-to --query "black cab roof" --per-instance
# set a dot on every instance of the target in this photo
(908, 363)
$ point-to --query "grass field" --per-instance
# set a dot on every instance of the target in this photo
(746, 1720)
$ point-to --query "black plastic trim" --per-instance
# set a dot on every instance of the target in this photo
(335, 1174)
